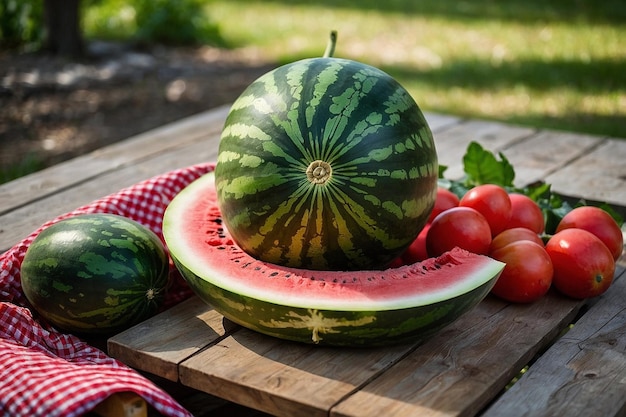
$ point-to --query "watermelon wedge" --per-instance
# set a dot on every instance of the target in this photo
(342, 308)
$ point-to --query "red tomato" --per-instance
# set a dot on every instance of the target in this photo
(514, 235)
(417, 251)
(525, 213)
(459, 226)
(397, 262)
(446, 199)
(598, 222)
(527, 275)
(583, 265)
(492, 201)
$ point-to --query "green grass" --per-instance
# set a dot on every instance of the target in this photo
(558, 64)
(29, 164)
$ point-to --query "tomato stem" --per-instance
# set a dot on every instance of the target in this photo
(330, 47)
(545, 237)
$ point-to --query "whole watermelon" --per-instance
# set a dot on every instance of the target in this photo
(95, 274)
(326, 164)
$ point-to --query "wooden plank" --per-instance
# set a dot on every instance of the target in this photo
(19, 223)
(452, 143)
(84, 168)
(463, 367)
(533, 154)
(284, 378)
(584, 372)
(598, 175)
(438, 121)
(547, 151)
(160, 343)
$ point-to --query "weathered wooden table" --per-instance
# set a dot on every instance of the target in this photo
(463, 370)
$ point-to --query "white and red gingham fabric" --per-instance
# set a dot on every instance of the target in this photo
(44, 372)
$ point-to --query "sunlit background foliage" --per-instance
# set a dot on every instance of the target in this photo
(558, 63)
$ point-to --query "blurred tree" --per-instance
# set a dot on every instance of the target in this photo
(20, 24)
(63, 33)
(56, 25)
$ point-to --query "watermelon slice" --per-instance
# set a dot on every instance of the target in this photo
(342, 308)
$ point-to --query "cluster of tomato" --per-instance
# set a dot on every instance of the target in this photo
(578, 259)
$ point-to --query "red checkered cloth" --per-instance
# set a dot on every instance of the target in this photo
(44, 372)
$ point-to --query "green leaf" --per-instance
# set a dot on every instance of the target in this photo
(458, 188)
(536, 192)
(482, 167)
(442, 170)
(508, 173)
(554, 209)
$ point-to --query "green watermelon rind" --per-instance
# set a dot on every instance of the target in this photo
(334, 327)
(208, 266)
(96, 282)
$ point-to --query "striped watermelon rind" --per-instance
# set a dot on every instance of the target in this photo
(95, 274)
(326, 163)
(340, 308)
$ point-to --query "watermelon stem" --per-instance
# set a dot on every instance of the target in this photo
(318, 172)
(330, 47)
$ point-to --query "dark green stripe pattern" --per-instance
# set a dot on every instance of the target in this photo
(326, 164)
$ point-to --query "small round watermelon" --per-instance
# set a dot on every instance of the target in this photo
(95, 274)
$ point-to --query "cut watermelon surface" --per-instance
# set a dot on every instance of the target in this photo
(368, 307)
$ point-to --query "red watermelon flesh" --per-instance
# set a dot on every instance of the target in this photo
(332, 307)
